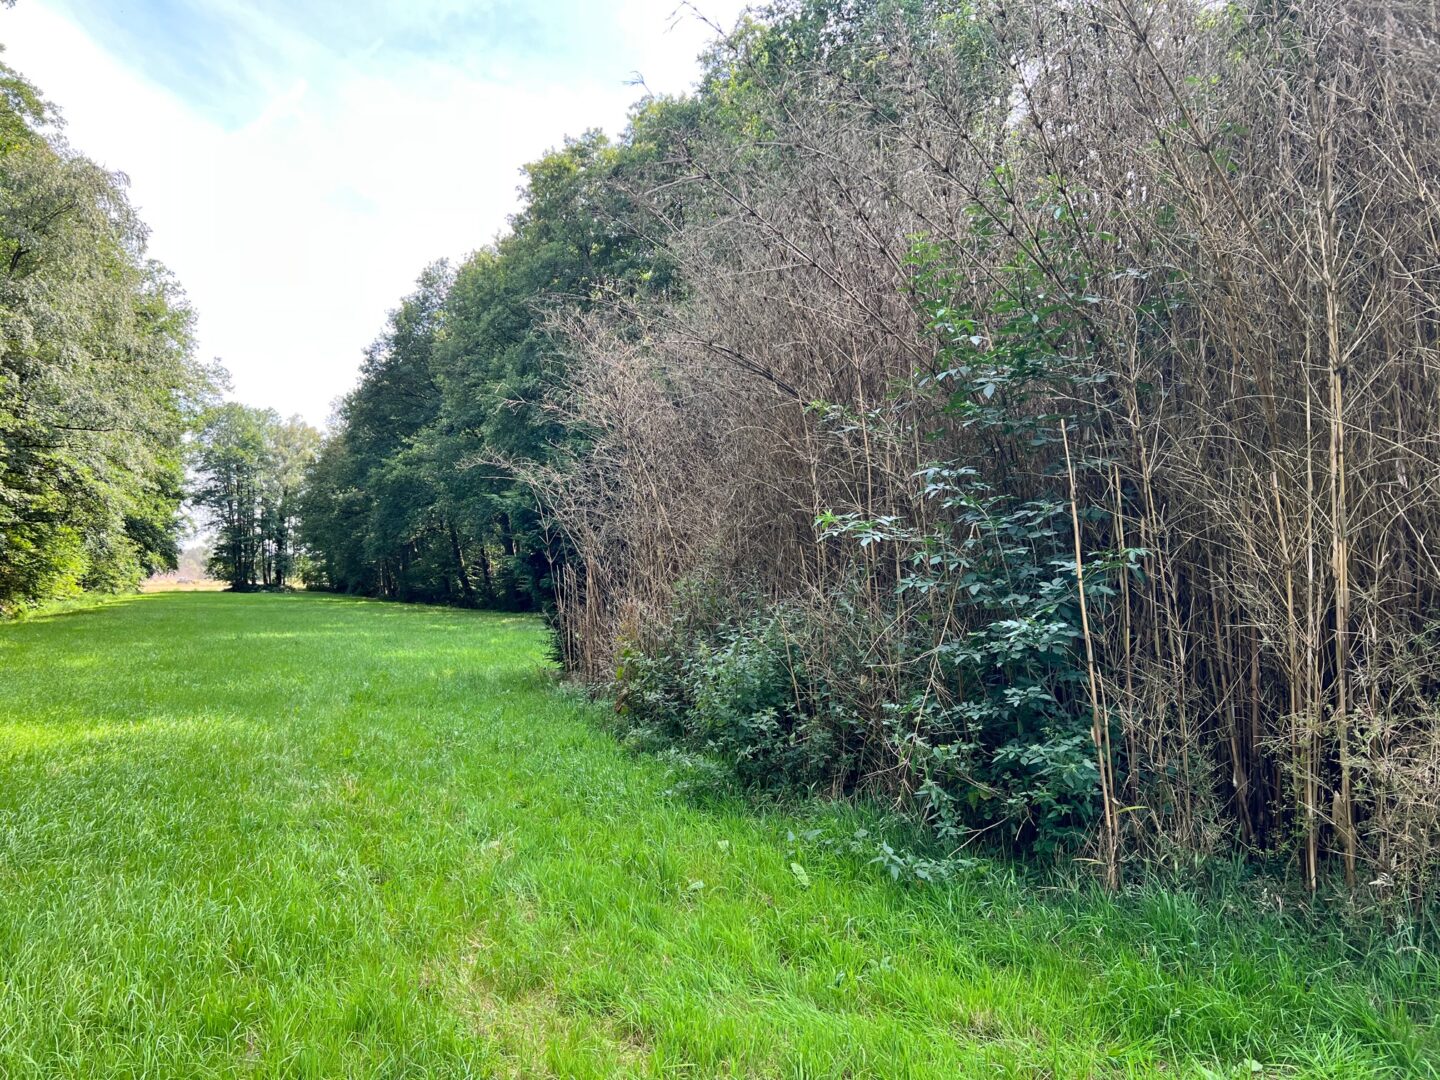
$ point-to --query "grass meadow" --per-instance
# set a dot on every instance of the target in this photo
(313, 836)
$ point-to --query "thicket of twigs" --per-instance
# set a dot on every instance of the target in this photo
(1099, 339)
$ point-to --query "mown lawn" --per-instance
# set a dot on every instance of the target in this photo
(319, 837)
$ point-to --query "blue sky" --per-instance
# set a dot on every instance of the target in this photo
(227, 58)
(299, 161)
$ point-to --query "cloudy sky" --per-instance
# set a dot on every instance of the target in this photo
(299, 161)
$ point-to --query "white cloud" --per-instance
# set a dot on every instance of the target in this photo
(295, 232)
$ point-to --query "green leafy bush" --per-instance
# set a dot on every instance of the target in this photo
(955, 681)
(736, 691)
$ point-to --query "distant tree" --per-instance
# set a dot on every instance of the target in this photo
(411, 497)
(294, 447)
(369, 512)
(249, 466)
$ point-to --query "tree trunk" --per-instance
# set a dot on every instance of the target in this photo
(466, 591)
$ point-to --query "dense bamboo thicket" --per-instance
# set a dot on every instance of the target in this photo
(1049, 418)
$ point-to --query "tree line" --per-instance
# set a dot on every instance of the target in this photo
(1020, 412)
(103, 404)
(249, 471)
(415, 495)
(98, 383)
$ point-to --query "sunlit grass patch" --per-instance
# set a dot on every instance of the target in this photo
(311, 836)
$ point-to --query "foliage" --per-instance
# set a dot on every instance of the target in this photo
(97, 380)
(983, 721)
(372, 516)
(735, 691)
(250, 467)
(1009, 296)
(414, 496)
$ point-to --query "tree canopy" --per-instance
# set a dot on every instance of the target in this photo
(98, 382)
(250, 466)
(414, 496)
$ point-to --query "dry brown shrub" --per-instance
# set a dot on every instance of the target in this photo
(1253, 191)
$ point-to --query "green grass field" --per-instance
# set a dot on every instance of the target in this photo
(310, 836)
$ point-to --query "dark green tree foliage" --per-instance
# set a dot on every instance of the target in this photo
(370, 516)
(250, 466)
(97, 381)
(412, 497)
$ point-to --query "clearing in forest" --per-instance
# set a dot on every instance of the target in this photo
(311, 836)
